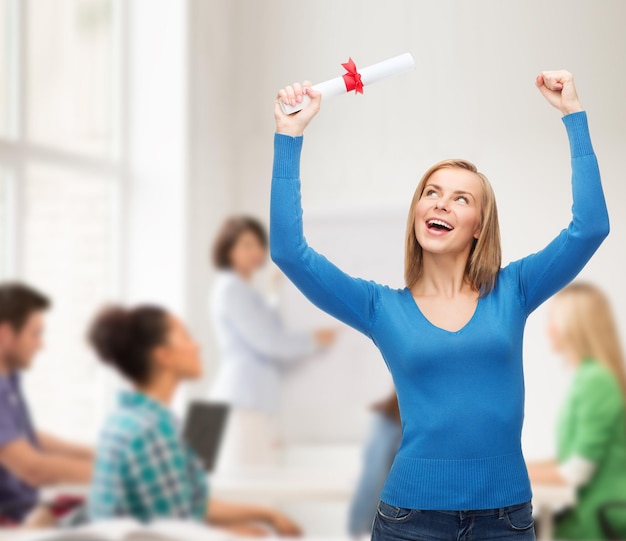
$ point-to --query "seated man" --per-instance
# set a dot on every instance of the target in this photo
(28, 459)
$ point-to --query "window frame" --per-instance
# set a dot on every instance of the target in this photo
(17, 152)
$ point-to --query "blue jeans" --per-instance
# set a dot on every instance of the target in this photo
(380, 449)
(397, 523)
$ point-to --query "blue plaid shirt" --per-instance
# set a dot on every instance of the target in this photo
(143, 468)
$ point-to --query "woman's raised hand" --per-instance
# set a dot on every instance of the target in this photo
(326, 337)
(558, 88)
(296, 123)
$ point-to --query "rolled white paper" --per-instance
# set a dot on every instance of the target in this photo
(369, 75)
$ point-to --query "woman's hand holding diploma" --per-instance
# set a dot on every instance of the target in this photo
(296, 123)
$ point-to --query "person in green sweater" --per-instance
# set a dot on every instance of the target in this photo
(591, 434)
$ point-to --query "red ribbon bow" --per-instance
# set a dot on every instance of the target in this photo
(352, 79)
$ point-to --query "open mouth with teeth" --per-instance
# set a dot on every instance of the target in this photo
(438, 225)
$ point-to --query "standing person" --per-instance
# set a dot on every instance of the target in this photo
(29, 459)
(591, 436)
(143, 467)
(255, 347)
(383, 439)
(452, 338)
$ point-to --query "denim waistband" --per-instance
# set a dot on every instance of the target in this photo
(484, 512)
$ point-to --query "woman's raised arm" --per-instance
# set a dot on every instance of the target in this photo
(351, 300)
(542, 274)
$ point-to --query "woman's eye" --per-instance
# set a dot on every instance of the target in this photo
(462, 199)
(430, 193)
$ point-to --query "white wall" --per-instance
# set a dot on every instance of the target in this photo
(473, 96)
(211, 155)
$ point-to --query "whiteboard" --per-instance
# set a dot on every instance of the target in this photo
(327, 399)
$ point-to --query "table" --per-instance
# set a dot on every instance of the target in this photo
(291, 485)
(284, 485)
(548, 500)
(296, 485)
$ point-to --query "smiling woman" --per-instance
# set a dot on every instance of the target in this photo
(453, 191)
(453, 337)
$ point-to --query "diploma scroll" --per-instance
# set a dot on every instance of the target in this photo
(356, 80)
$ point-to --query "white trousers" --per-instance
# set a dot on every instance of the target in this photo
(251, 440)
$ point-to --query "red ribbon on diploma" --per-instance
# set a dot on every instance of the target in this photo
(352, 79)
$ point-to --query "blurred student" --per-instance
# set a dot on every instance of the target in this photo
(382, 443)
(255, 347)
(591, 436)
(143, 467)
(29, 459)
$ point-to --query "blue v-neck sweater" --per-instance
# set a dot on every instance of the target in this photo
(461, 394)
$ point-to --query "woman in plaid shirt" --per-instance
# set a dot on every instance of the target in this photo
(143, 468)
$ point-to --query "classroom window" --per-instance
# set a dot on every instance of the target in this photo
(69, 86)
(4, 80)
(69, 239)
(61, 188)
(5, 226)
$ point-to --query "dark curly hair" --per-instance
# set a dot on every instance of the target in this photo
(125, 338)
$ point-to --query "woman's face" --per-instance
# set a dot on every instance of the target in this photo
(447, 216)
(180, 353)
(248, 253)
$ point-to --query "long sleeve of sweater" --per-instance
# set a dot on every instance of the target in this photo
(543, 274)
(351, 300)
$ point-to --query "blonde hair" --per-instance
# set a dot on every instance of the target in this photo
(483, 263)
(585, 321)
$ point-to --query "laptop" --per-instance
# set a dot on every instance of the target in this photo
(204, 429)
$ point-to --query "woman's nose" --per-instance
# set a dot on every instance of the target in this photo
(441, 204)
